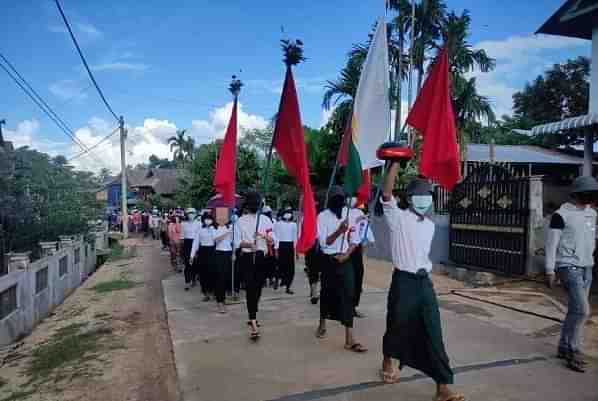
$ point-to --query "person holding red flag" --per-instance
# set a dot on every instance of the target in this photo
(413, 331)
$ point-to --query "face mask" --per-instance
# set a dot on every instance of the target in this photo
(287, 216)
(422, 204)
(208, 222)
(191, 217)
(336, 205)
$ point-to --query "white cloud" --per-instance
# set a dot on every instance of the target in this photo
(68, 89)
(142, 141)
(207, 130)
(520, 59)
(120, 66)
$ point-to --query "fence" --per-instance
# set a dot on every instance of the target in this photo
(30, 291)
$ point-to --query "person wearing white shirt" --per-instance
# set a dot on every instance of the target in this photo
(338, 281)
(254, 246)
(223, 237)
(358, 224)
(202, 253)
(285, 231)
(154, 224)
(188, 230)
(272, 274)
(413, 333)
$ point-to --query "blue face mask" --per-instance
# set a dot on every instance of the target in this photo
(422, 204)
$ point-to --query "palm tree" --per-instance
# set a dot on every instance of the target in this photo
(340, 93)
(179, 145)
(468, 105)
(429, 15)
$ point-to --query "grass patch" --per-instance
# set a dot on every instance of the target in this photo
(114, 285)
(69, 349)
(119, 252)
(19, 395)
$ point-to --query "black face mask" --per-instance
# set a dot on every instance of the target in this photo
(336, 205)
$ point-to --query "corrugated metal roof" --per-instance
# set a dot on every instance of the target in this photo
(519, 154)
(566, 124)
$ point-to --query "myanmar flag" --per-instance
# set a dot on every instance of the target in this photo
(370, 122)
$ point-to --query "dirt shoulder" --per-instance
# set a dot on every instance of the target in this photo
(108, 341)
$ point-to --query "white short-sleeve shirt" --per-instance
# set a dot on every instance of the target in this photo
(226, 244)
(285, 231)
(410, 236)
(245, 231)
(328, 223)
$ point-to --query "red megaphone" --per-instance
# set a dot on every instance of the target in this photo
(394, 151)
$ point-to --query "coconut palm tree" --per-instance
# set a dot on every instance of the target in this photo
(179, 145)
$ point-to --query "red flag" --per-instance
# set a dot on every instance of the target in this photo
(433, 116)
(226, 166)
(289, 142)
(363, 192)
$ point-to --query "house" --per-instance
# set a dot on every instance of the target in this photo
(142, 184)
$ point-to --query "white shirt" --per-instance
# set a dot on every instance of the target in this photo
(154, 221)
(204, 236)
(227, 243)
(328, 223)
(285, 231)
(245, 231)
(188, 229)
(410, 238)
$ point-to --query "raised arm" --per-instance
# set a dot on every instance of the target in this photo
(389, 181)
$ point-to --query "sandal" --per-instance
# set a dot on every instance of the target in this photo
(389, 377)
(356, 347)
(257, 322)
(576, 365)
(321, 333)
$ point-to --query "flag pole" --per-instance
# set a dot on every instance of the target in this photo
(337, 163)
(235, 89)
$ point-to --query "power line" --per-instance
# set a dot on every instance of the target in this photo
(37, 102)
(56, 118)
(68, 26)
(94, 146)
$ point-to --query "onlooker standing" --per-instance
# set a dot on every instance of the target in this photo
(570, 246)
(164, 230)
(174, 236)
(154, 223)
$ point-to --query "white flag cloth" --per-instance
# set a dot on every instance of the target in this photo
(371, 108)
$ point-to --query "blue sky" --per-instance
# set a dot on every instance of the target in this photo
(166, 67)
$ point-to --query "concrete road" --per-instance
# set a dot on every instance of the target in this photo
(216, 361)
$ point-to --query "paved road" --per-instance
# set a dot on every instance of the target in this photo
(215, 360)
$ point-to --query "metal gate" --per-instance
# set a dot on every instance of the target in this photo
(489, 213)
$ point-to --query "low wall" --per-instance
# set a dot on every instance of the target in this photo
(43, 285)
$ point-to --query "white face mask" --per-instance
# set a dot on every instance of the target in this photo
(287, 216)
(422, 204)
(208, 222)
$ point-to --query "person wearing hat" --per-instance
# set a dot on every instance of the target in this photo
(570, 246)
(254, 241)
(413, 330)
(285, 231)
(337, 275)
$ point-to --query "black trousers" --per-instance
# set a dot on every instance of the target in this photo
(358, 269)
(164, 238)
(312, 263)
(253, 268)
(204, 268)
(286, 262)
(189, 271)
(222, 266)
(236, 285)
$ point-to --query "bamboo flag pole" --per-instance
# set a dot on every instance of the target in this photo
(235, 89)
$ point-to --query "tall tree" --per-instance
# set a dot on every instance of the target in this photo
(181, 146)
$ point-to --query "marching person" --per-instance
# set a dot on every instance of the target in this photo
(338, 282)
(223, 236)
(413, 329)
(359, 225)
(188, 228)
(312, 266)
(272, 274)
(285, 231)
(154, 222)
(164, 231)
(174, 238)
(570, 245)
(202, 254)
(254, 246)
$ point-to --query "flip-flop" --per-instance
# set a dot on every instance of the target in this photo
(389, 377)
(452, 397)
(357, 347)
(321, 333)
(256, 322)
(254, 336)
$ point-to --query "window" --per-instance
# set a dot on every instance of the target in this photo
(41, 280)
(77, 255)
(63, 266)
(8, 301)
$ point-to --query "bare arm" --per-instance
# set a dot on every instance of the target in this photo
(339, 231)
(389, 181)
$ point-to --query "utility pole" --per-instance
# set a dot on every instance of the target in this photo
(123, 166)
(2, 122)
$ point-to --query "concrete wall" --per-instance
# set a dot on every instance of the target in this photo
(32, 307)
